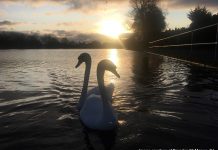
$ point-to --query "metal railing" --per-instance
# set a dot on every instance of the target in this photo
(188, 44)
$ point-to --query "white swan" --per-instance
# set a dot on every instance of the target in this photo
(97, 112)
(86, 58)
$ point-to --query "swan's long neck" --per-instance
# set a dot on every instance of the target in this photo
(100, 78)
(106, 104)
(85, 83)
(86, 77)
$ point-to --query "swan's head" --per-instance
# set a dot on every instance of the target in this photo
(109, 66)
(84, 57)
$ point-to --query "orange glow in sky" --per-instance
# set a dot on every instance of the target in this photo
(84, 16)
(112, 28)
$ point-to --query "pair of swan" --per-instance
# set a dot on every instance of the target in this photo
(96, 111)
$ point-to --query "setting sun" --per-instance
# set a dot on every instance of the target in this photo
(111, 28)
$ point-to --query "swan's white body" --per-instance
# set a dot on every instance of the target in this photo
(96, 111)
(95, 91)
(95, 116)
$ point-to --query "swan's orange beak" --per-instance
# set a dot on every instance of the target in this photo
(116, 73)
(78, 64)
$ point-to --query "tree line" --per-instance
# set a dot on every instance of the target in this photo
(149, 24)
(18, 40)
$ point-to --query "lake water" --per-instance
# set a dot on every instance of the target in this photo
(160, 102)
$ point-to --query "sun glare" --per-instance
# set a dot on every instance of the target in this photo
(113, 56)
(111, 28)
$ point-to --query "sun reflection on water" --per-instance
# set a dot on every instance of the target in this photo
(113, 56)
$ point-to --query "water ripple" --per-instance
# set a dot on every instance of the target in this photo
(156, 98)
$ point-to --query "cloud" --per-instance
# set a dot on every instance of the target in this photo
(70, 23)
(78, 36)
(82, 37)
(78, 4)
(190, 3)
(2, 28)
(8, 23)
(2, 13)
(74, 24)
(63, 33)
(71, 4)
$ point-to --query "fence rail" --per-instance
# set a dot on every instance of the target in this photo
(154, 44)
(210, 43)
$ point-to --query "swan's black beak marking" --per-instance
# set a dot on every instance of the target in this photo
(78, 64)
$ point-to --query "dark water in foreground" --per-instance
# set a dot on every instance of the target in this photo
(161, 103)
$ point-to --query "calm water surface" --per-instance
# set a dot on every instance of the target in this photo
(160, 102)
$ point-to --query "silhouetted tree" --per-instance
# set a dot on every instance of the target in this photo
(19, 40)
(215, 18)
(199, 17)
(148, 20)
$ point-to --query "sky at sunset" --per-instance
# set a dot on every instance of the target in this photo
(67, 17)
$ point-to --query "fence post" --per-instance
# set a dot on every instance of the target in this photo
(216, 42)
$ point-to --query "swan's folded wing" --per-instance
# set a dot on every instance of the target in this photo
(91, 112)
(109, 89)
(97, 115)
(94, 90)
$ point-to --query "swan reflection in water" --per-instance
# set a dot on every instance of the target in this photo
(96, 139)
